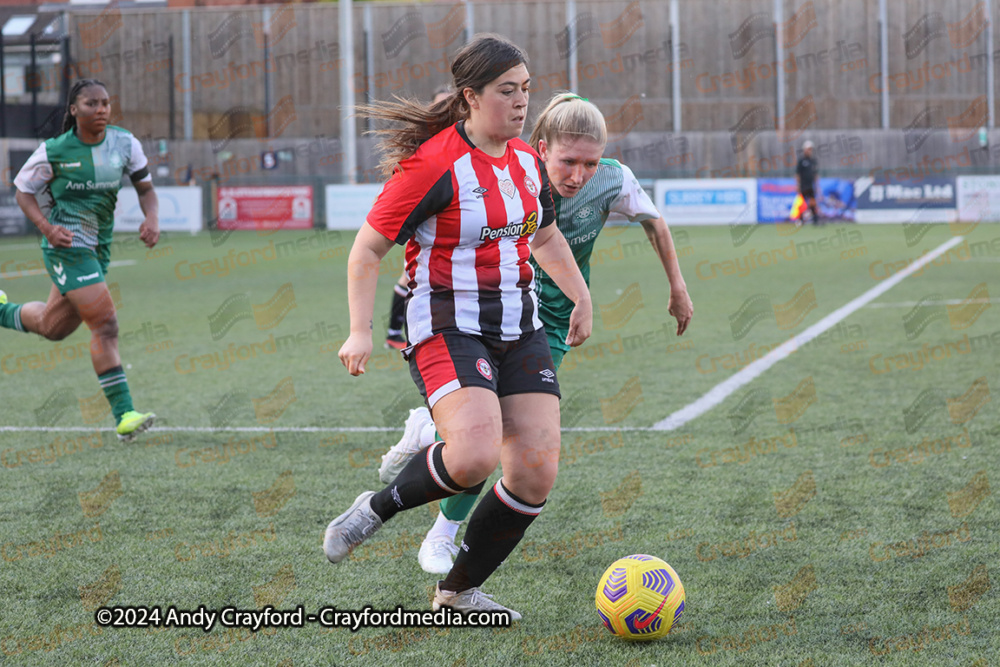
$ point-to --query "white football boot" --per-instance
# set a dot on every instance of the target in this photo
(470, 600)
(351, 528)
(437, 553)
(411, 444)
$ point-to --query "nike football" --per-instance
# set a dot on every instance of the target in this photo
(640, 598)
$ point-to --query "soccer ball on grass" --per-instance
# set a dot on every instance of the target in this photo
(640, 597)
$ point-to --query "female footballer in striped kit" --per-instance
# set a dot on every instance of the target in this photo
(81, 171)
(472, 203)
(570, 136)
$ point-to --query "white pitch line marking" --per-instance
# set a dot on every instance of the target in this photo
(692, 411)
(279, 429)
(911, 304)
(724, 389)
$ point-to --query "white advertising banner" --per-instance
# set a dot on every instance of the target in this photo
(978, 198)
(347, 206)
(717, 201)
(180, 209)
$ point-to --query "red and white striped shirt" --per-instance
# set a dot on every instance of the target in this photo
(467, 219)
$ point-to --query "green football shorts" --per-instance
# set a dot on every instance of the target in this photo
(73, 268)
(557, 344)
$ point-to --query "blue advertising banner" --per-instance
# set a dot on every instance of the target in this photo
(776, 196)
(916, 200)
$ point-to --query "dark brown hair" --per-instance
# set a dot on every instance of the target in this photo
(480, 61)
(69, 121)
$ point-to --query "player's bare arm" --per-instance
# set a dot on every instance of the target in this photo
(362, 278)
(58, 236)
(680, 306)
(550, 250)
(149, 230)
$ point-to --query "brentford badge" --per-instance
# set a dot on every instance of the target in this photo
(484, 369)
(531, 187)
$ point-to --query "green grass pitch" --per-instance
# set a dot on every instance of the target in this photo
(837, 510)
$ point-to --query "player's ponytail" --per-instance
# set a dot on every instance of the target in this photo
(569, 116)
(480, 61)
(69, 121)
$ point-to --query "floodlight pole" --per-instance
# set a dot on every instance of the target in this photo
(267, 74)
(779, 77)
(186, 72)
(470, 22)
(34, 87)
(3, 91)
(883, 32)
(171, 88)
(990, 71)
(369, 59)
(675, 59)
(571, 56)
(347, 122)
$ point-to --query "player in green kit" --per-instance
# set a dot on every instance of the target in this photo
(570, 136)
(77, 176)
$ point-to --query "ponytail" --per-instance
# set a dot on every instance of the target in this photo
(414, 123)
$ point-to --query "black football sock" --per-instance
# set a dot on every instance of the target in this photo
(496, 527)
(423, 480)
(397, 310)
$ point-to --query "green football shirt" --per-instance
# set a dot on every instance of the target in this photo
(79, 182)
(613, 188)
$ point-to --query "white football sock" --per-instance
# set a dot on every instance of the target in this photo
(426, 437)
(444, 527)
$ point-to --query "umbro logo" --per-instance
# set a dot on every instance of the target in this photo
(547, 375)
(480, 192)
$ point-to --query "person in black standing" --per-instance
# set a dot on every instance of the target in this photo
(807, 171)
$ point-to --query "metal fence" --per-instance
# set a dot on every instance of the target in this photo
(720, 75)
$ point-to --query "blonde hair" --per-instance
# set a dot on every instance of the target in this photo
(567, 117)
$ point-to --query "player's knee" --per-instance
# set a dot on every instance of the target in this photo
(107, 328)
(57, 333)
(472, 468)
(57, 327)
(531, 488)
(535, 477)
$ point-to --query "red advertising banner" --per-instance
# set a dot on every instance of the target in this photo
(265, 207)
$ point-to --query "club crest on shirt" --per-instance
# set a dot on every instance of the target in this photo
(507, 187)
(586, 212)
(484, 368)
(530, 186)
